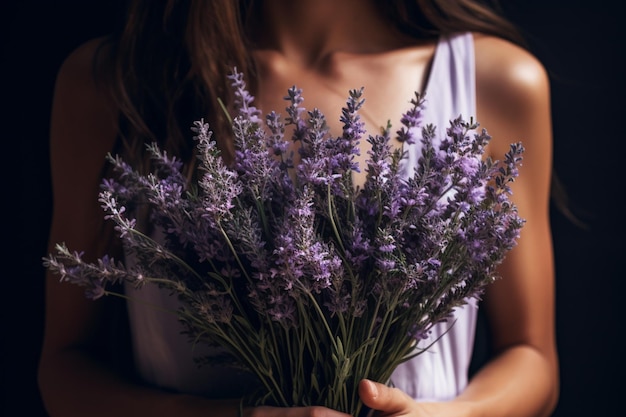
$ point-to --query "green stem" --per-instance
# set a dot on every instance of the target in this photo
(225, 110)
(331, 215)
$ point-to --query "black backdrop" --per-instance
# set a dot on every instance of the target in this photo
(580, 44)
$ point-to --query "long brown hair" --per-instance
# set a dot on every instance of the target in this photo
(431, 18)
(166, 66)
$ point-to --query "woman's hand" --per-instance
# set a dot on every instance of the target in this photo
(388, 401)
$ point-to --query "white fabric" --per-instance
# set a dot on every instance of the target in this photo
(164, 356)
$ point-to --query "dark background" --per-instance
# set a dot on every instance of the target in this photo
(580, 44)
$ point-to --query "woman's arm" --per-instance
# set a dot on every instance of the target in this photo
(74, 379)
(522, 378)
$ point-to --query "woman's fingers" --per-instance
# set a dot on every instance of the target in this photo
(383, 398)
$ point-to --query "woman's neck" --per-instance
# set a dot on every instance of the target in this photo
(308, 31)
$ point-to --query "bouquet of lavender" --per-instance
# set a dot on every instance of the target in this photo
(310, 282)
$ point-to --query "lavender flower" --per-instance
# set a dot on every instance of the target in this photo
(309, 282)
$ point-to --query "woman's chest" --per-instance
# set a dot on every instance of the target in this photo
(389, 83)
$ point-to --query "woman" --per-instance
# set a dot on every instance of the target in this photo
(168, 66)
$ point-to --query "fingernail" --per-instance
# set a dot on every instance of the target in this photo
(373, 389)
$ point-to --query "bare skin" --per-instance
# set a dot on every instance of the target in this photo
(326, 57)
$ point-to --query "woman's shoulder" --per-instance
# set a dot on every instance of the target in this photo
(84, 118)
(80, 84)
(508, 73)
(511, 82)
(80, 66)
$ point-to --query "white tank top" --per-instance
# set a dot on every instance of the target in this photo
(164, 357)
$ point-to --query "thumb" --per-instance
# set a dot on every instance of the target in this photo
(380, 397)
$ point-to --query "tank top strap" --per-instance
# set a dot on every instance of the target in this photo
(451, 87)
